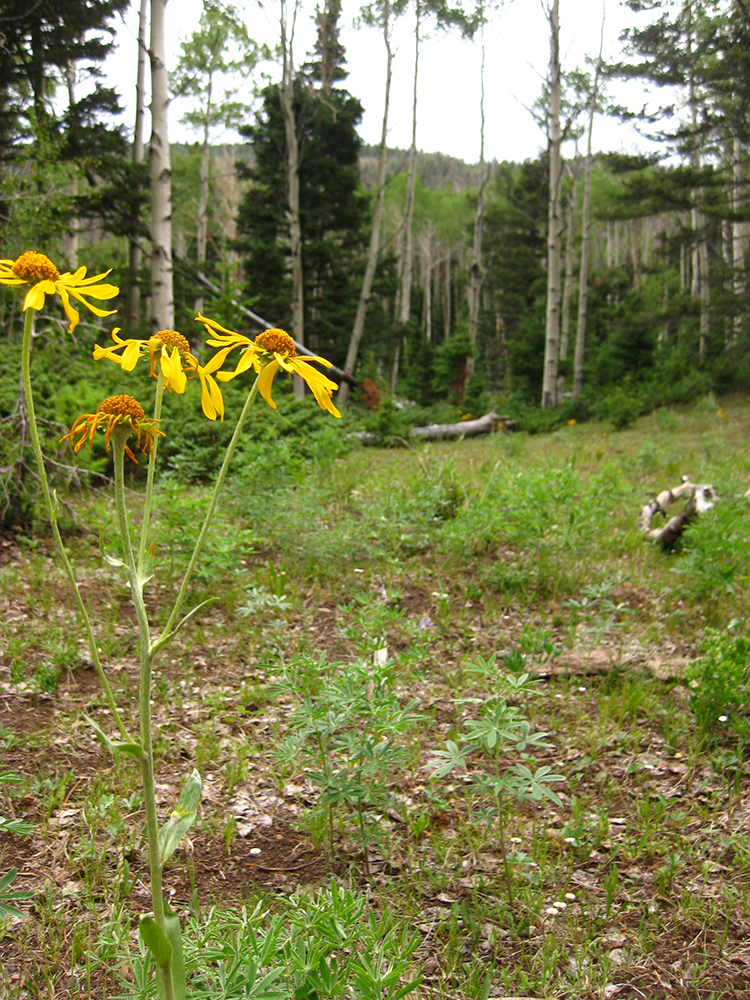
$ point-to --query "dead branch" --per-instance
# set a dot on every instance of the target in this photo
(701, 497)
(466, 428)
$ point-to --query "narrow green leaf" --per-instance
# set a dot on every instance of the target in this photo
(155, 940)
(182, 818)
(174, 936)
(110, 560)
(130, 749)
(164, 639)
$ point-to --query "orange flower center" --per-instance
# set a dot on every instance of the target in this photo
(33, 267)
(173, 339)
(276, 342)
(122, 406)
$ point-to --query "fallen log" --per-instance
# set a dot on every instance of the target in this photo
(701, 497)
(465, 428)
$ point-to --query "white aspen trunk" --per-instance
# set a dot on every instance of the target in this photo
(568, 282)
(447, 297)
(70, 243)
(408, 251)
(738, 243)
(372, 256)
(202, 226)
(554, 222)
(286, 96)
(162, 295)
(476, 258)
(583, 277)
(427, 286)
(699, 289)
(635, 256)
(136, 254)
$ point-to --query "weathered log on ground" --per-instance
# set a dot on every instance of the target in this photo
(701, 497)
(466, 428)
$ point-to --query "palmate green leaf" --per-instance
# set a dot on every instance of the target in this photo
(182, 818)
(445, 761)
(14, 894)
(534, 786)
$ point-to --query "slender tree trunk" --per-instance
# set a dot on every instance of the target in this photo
(570, 229)
(738, 243)
(162, 311)
(476, 256)
(554, 225)
(408, 251)
(447, 297)
(136, 254)
(427, 284)
(286, 95)
(583, 277)
(202, 227)
(699, 289)
(377, 215)
(71, 236)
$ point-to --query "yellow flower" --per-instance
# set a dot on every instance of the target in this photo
(572, 422)
(720, 414)
(171, 351)
(115, 411)
(271, 350)
(38, 272)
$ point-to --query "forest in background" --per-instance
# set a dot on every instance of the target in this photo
(597, 284)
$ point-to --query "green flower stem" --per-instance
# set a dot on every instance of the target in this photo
(148, 498)
(119, 437)
(209, 513)
(52, 512)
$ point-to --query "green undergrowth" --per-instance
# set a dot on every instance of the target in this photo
(498, 739)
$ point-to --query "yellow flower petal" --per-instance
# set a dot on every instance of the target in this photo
(265, 381)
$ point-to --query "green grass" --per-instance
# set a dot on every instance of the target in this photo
(368, 608)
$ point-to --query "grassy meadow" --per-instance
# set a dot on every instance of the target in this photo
(463, 731)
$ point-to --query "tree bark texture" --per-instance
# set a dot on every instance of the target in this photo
(583, 276)
(554, 223)
(407, 256)
(701, 497)
(466, 428)
(162, 308)
(475, 286)
(286, 96)
(136, 253)
(377, 215)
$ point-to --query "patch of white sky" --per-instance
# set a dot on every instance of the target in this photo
(449, 82)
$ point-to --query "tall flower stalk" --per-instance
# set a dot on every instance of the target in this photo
(123, 419)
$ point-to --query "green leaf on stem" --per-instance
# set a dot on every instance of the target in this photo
(155, 940)
(182, 818)
(110, 560)
(131, 749)
(174, 936)
(168, 636)
(148, 565)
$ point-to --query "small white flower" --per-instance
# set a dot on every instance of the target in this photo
(254, 850)
(571, 840)
(560, 905)
(723, 718)
(570, 896)
(552, 912)
(515, 840)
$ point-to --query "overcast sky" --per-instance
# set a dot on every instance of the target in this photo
(517, 54)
